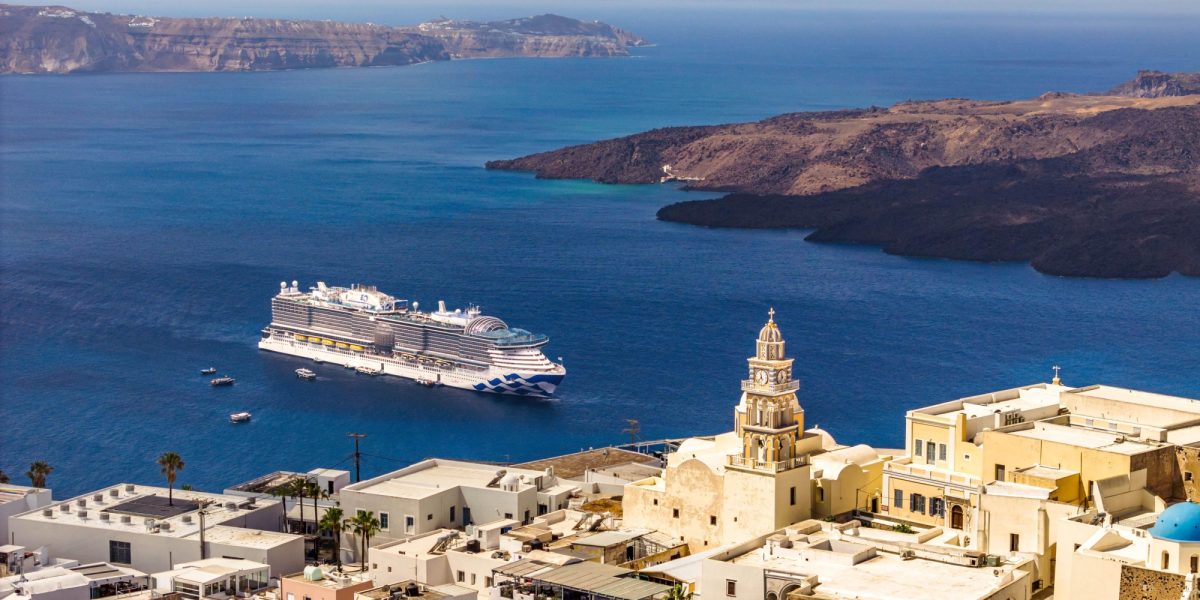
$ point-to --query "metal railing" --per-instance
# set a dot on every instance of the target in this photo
(736, 460)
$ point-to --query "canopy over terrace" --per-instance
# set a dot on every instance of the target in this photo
(575, 581)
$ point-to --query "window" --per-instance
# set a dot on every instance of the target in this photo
(383, 521)
(999, 472)
(937, 507)
(452, 513)
(526, 519)
(409, 522)
(507, 515)
(712, 520)
(941, 452)
(1195, 563)
(930, 448)
(916, 503)
(656, 501)
(429, 517)
(1166, 561)
(675, 512)
(898, 500)
(120, 552)
(487, 582)
(792, 495)
(472, 579)
(919, 446)
(1187, 476)
(730, 588)
(1014, 542)
(462, 577)
(820, 494)
(329, 485)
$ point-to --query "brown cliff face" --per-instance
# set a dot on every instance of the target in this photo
(41, 39)
(544, 36)
(1156, 84)
(1103, 186)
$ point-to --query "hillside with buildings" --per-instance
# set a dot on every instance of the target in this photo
(1090, 491)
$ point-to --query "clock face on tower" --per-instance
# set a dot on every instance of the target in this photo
(761, 376)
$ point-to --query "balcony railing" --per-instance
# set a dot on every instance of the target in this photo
(932, 473)
(736, 460)
(790, 386)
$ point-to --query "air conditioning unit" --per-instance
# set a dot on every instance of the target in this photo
(126, 519)
(64, 507)
(48, 513)
(98, 498)
(81, 502)
(82, 514)
(164, 526)
(187, 518)
(105, 516)
(129, 488)
(114, 492)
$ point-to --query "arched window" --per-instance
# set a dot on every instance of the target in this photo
(1166, 561)
(1195, 563)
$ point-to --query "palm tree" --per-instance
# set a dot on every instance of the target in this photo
(332, 521)
(315, 492)
(282, 492)
(37, 473)
(364, 525)
(171, 464)
(299, 487)
(678, 592)
(4, 477)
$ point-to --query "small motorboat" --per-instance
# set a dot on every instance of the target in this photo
(348, 365)
(209, 371)
(239, 417)
(368, 370)
(317, 360)
(223, 381)
(306, 374)
(428, 382)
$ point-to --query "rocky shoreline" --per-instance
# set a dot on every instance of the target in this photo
(56, 39)
(1104, 185)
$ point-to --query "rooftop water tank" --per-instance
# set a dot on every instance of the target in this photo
(313, 573)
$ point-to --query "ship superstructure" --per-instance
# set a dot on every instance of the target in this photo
(362, 327)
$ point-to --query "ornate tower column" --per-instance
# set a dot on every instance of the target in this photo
(772, 418)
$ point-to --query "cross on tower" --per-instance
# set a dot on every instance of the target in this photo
(1056, 380)
(771, 315)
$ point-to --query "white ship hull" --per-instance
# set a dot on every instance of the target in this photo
(491, 379)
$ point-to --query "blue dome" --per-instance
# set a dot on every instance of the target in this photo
(1179, 523)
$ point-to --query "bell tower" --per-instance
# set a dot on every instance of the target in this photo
(769, 418)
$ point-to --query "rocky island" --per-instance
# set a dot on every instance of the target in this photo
(1103, 185)
(57, 39)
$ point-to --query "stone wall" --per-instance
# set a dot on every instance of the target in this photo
(1188, 460)
(1139, 583)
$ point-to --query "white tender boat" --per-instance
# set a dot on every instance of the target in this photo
(306, 374)
(239, 417)
(368, 370)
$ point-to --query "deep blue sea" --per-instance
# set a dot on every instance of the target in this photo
(147, 219)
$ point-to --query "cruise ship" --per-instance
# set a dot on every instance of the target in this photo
(363, 328)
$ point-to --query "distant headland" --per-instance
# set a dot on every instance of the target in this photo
(56, 39)
(1096, 185)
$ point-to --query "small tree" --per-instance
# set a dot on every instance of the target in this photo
(171, 464)
(364, 525)
(4, 477)
(37, 473)
(331, 521)
(678, 592)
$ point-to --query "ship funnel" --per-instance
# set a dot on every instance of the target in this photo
(441, 306)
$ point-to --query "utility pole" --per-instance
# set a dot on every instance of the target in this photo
(357, 456)
(203, 548)
(634, 429)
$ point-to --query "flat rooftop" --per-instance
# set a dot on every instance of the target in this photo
(574, 466)
(883, 577)
(246, 538)
(1020, 399)
(1109, 392)
(434, 476)
(12, 493)
(145, 510)
(332, 580)
(1083, 438)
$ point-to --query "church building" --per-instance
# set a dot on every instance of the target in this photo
(747, 482)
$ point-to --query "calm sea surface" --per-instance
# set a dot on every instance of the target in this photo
(148, 218)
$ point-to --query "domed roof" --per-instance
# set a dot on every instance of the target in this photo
(1179, 523)
(770, 332)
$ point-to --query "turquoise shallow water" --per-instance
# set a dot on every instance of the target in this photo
(148, 218)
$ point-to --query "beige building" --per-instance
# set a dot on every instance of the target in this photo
(316, 583)
(827, 561)
(758, 477)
